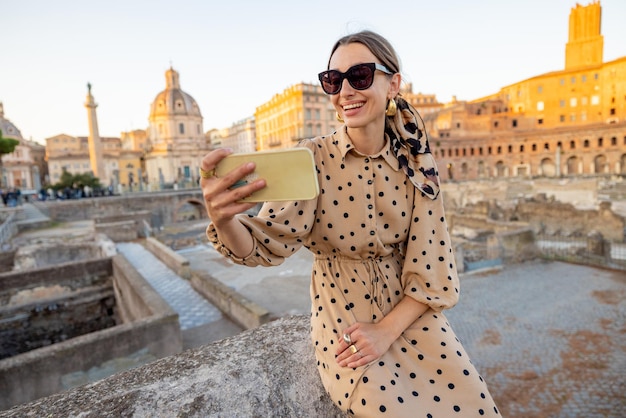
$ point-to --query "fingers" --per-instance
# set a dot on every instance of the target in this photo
(353, 357)
(223, 201)
(210, 160)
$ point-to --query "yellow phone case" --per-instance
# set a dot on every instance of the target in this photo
(289, 174)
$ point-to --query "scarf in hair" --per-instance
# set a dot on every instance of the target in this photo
(409, 142)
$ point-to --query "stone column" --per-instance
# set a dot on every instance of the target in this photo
(95, 144)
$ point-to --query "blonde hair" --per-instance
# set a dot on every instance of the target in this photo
(377, 44)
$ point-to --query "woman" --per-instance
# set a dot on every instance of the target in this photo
(384, 268)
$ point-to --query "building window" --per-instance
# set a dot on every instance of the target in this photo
(586, 143)
(596, 76)
(521, 148)
(540, 106)
(546, 146)
(510, 149)
(562, 81)
(612, 111)
(495, 124)
(458, 125)
(572, 117)
(583, 78)
(540, 121)
(573, 80)
(562, 103)
(600, 141)
(583, 101)
(514, 123)
(489, 150)
(595, 99)
(562, 118)
(534, 147)
(573, 102)
(572, 145)
(540, 89)
(480, 149)
(181, 128)
(614, 141)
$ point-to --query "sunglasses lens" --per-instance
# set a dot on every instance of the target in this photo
(361, 77)
(331, 81)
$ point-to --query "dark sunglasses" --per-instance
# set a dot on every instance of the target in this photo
(360, 77)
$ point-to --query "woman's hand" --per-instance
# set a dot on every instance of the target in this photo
(371, 341)
(223, 203)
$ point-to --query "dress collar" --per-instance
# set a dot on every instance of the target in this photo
(345, 145)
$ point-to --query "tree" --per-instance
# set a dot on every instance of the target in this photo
(70, 180)
(7, 146)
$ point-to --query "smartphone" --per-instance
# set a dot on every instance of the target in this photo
(289, 174)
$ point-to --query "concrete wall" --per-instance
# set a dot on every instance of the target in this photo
(551, 217)
(266, 372)
(153, 328)
(125, 226)
(162, 207)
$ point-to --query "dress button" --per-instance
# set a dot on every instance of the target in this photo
(372, 232)
(370, 206)
(367, 160)
(370, 182)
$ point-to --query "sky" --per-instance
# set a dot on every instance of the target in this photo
(234, 55)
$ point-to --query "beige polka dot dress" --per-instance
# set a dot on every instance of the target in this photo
(376, 239)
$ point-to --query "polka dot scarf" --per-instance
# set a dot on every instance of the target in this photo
(409, 142)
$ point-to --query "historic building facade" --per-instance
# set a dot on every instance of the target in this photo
(300, 111)
(567, 122)
(71, 154)
(25, 167)
(240, 137)
(175, 136)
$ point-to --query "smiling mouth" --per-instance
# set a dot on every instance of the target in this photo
(353, 106)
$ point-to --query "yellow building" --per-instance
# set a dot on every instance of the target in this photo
(300, 111)
(565, 122)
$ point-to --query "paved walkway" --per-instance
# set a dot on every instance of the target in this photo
(192, 308)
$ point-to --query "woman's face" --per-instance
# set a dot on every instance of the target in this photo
(359, 108)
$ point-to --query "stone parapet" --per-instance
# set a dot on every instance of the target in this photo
(266, 372)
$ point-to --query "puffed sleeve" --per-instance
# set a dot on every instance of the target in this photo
(278, 231)
(429, 274)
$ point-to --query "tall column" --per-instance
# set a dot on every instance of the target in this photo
(95, 145)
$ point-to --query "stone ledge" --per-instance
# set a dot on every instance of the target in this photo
(169, 257)
(265, 372)
(241, 310)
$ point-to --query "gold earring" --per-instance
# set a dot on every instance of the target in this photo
(392, 109)
(339, 118)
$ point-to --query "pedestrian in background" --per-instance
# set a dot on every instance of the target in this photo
(384, 268)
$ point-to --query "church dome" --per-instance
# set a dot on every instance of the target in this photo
(8, 129)
(173, 101)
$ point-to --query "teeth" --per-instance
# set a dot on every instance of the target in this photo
(352, 106)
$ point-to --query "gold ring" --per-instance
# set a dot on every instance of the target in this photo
(353, 349)
(207, 174)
